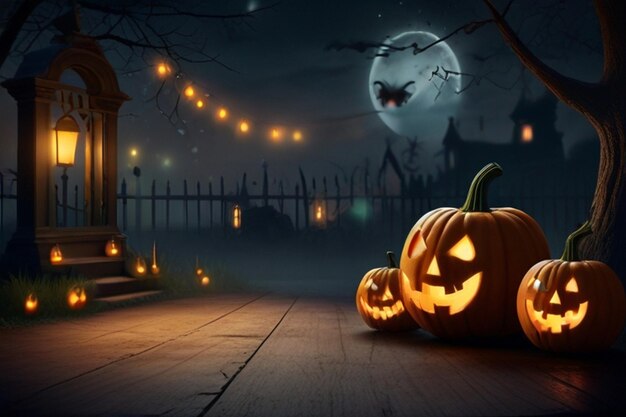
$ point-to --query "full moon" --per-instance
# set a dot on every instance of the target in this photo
(410, 99)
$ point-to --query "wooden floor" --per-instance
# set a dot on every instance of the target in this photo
(266, 355)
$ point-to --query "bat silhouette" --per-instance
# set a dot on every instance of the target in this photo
(392, 96)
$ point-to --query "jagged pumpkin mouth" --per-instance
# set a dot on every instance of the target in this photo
(385, 312)
(432, 296)
(554, 323)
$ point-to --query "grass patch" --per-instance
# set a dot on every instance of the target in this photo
(48, 299)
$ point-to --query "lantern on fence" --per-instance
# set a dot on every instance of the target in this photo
(111, 248)
(76, 298)
(236, 217)
(56, 256)
(319, 213)
(154, 267)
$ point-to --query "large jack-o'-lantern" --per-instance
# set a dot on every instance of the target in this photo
(571, 305)
(461, 267)
(379, 301)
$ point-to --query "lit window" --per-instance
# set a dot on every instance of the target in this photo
(527, 133)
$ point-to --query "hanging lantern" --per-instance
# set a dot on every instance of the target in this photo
(140, 266)
(154, 268)
(111, 248)
(67, 132)
(527, 133)
(31, 304)
(56, 256)
(236, 217)
(76, 298)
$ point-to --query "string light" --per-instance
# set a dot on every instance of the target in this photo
(276, 134)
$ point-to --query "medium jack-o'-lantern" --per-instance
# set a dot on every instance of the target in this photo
(56, 256)
(76, 298)
(379, 301)
(461, 267)
(31, 304)
(569, 305)
(112, 248)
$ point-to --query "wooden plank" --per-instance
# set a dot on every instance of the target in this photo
(51, 355)
(324, 361)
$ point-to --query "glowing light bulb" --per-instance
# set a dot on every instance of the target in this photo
(297, 136)
(222, 113)
(199, 104)
(189, 92)
(162, 69)
(134, 152)
(275, 134)
(244, 127)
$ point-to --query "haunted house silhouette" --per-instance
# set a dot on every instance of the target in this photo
(534, 151)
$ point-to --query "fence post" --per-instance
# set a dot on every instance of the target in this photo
(265, 185)
(305, 200)
(168, 192)
(296, 198)
(153, 204)
(281, 201)
(325, 200)
(222, 204)
(198, 205)
(186, 204)
(211, 204)
(124, 204)
(76, 205)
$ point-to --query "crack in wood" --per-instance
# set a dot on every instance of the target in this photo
(230, 381)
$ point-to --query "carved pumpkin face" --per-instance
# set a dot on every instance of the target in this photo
(379, 300)
(76, 298)
(462, 267)
(571, 305)
(551, 312)
(441, 286)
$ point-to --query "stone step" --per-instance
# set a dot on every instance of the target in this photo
(91, 267)
(116, 285)
(122, 298)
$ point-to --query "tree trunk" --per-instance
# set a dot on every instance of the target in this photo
(608, 210)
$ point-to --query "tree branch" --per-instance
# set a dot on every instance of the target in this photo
(14, 26)
(575, 93)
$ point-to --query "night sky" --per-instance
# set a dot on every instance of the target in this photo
(284, 74)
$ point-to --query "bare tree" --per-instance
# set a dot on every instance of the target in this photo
(135, 33)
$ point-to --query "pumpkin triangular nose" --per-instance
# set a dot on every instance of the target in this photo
(433, 269)
(555, 299)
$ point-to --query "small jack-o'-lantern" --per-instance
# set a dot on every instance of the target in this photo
(379, 301)
(31, 304)
(569, 305)
(462, 267)
(139, 266)
(76, 298)
(112, 248)
(56, 256)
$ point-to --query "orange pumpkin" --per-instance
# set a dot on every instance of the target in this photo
(569, 305)
(462, 267)
(379, 301)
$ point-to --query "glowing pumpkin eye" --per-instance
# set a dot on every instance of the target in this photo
(417, 246)
(463, 249)
(374, 286)
(571, 286)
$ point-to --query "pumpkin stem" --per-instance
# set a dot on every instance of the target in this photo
(570, 253)
(391, 260)
(477, 195)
